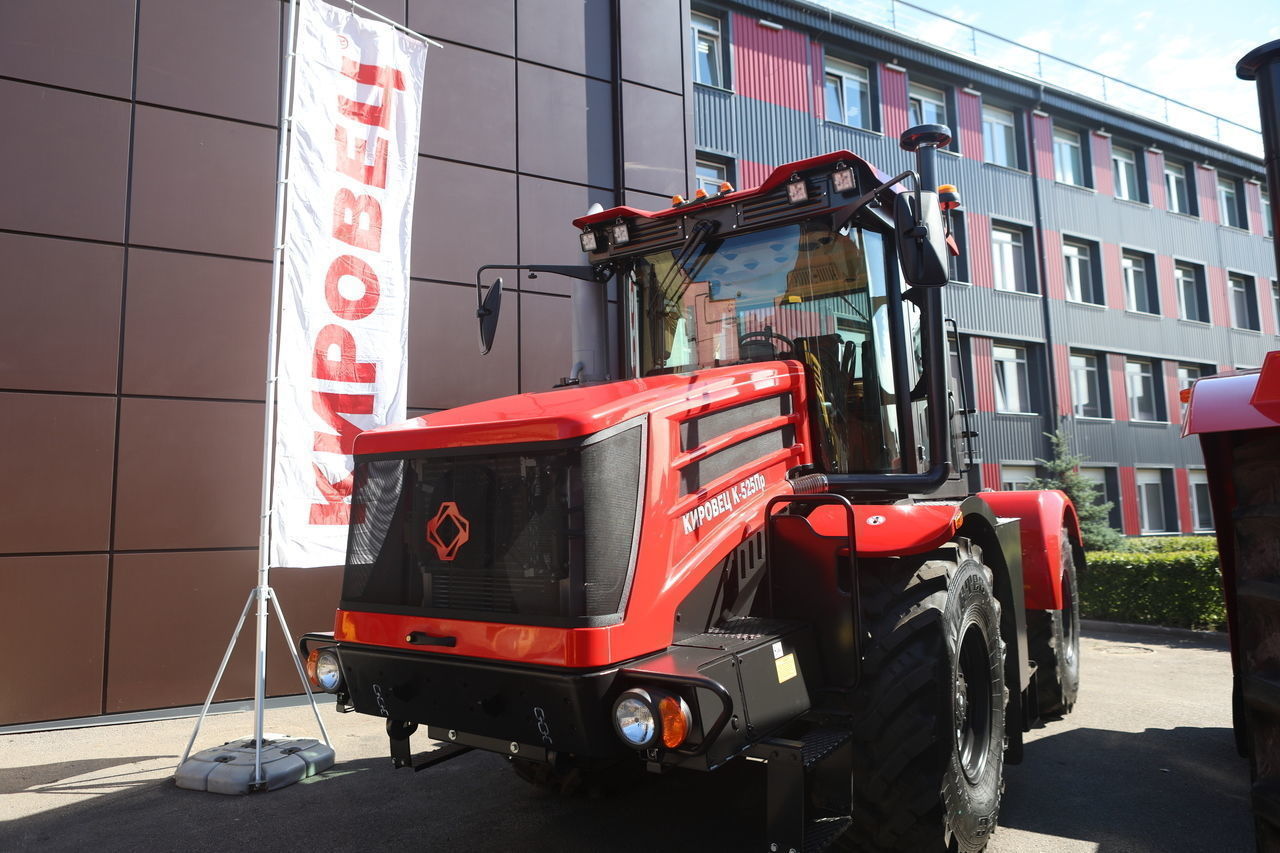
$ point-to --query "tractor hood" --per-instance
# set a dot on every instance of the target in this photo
(1248, 399)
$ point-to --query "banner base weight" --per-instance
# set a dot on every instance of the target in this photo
(229, 769)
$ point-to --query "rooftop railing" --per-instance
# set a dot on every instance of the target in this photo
(939, 31)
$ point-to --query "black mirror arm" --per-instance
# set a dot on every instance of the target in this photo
(848, 211)
(600, 272)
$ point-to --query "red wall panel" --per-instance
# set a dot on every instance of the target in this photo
(1172, 400)
(1042, 144)
(1253, 200)
(1168, 286)
(1062, 377)
(752, 174)
(1055, 284)
(1266, 307)
(978, 245)
(1119, 391)
(1132, 522)
(817, 64)
(1112, 276)
(984, 377)
(1219, 305)
(969, 124)
(1100, 153)
(1182, 484)
(1207, 191)
(991, 475)
(893, 100)
(770, 65)
(1155, 179)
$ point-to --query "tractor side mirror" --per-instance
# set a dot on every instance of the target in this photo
(487, 314)
(922, 239)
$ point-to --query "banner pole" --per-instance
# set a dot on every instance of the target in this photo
(273, 359)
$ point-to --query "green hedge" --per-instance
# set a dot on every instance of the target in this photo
(1179, 589)
(1167, 544)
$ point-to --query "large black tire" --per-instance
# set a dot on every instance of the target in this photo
(928, 713)
(1053, 642)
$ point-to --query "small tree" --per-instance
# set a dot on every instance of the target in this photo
(1062, 472)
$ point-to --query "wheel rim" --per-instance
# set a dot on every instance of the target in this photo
(972, 703)
(1069, 621)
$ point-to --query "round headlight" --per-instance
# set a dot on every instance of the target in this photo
(634, 719)
(328, 671)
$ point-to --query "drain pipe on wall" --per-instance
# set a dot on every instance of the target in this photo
(1050, 361)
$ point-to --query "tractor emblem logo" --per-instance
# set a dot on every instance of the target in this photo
(448, 530)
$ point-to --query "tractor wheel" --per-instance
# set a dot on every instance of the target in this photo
(1053, 642)
(928, 713)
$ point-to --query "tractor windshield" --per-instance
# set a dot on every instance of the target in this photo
(801, 291)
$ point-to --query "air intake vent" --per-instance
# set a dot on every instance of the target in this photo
(776, 205)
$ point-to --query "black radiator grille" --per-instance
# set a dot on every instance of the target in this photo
(543, 534)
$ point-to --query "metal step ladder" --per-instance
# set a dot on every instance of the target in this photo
(809, 792)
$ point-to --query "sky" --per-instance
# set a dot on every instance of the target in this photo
(1183, 49)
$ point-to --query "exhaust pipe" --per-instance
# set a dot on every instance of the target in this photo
(1262, 65)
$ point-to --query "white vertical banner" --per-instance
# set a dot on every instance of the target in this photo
(353, 155)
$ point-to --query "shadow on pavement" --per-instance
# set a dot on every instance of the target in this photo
(42, 776)
(472, 803)
(1170, 790)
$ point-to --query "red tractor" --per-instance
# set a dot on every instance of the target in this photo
(1237, 416)
(756, 544)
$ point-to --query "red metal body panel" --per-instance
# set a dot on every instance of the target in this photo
(684, 536)
(968, 125)
(893, 100)
(1130, 520)
(887, 531)
(1248, 399)
(1182, 483)
(1044, 515)
(770, 65)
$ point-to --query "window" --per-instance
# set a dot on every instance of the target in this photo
(1193, 296)
(926, 105)
(1009, 259)
(1187, 376)
(1201, 509)
(1175, 185)
(1088, 399)
(1151, 514)
(1082, 284)
(1106, 483)
(708, 55)
(1268, 226)
(1244, 302)
(848, 94)
(1015, 477)
(1068, 157)
(999, 137)
(1012, 390)
(1140, 381)
(1124, 172)
(1140, 292)
(710, 176)
(1275, 303)
(1229, 197)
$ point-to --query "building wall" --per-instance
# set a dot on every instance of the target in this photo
(135, 235)
(743, 125)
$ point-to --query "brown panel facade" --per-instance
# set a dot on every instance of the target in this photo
(55, 183)
(547, 235)
(190, 474)
(464, 216)
(486, 24)
(487, 134)
(221, 58)
(653, 44)
(60, 292)
(203, 184)
(546, 324)
(53, 629)
(445, 365)
(167, 656)
(566, 127)
(574, 35)
(57, 469)
(77, 44)
(656, 152)
(196, 326)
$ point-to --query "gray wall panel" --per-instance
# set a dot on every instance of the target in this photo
(1009, 438)
(984, 311)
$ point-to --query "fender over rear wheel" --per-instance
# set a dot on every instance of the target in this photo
(928, 715)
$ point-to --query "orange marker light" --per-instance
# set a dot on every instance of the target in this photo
(311, 668)
(675, 721)
(726, 187)
(948, 197)
(1185, 394)
(677, 199)
(700, 193)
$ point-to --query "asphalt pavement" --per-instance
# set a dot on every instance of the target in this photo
(1145, 763)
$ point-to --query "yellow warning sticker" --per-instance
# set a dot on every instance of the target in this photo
(786, 667)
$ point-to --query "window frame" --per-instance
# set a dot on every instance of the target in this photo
(1149, 287)
(1021, 373)
(1264, 210)
(1089, 262)
(1239, 217)
(1020, 262)
(943, 101)
(1199, 477)
(1133, 171)
(702, 161)
(1248, 291)
(1144, 479)
(1201, 291)
(1150, 375)
(1080, 160)
(716, 35)
(1094, 367)
(1024, 475)
(1188, 200)
(846, 71)
(1012, 136)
